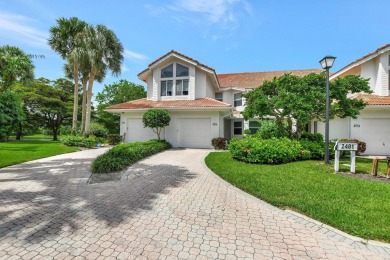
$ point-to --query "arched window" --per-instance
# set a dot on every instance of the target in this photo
(175, 83)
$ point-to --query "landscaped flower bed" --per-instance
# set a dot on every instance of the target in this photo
(123, 155)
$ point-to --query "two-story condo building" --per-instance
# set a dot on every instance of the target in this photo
(202, 104)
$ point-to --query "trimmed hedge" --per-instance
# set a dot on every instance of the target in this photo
(123, 155)
(79, 141)
(265, 151)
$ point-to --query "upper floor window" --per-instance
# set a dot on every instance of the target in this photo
(237, 100)
(167, 72)
(219, 96)
(174, 83)
(181, 71)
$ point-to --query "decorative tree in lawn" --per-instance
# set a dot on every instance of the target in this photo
(156, 119)
(302, 99)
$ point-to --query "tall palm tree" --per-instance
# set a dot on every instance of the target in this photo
(105, 52)
(65, 39)
(84, 71)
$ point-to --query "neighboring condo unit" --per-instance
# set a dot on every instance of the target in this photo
(373, 124)
(202, 104)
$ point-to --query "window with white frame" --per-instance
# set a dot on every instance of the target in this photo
(174, 80)
(237, 128)
(219, 96)
(254, 126)
(237, 100)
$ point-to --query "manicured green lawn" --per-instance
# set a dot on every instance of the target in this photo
(14, 152)
(358, 207)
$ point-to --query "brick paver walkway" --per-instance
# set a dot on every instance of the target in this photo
(168, 206)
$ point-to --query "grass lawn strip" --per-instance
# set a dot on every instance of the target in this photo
(15, 152)
(354, 206)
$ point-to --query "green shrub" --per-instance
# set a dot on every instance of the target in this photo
(123, 155)
(98, 130)
(269, 129)
(316, 150)
(219, 143)
(265, 151)
(65, 130)
(313, 137)
(76, 140)
(114, 139)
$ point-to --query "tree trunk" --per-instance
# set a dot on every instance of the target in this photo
(19, 132)
(84, 104)
(89, 99)
(55, 134)
(76, 98)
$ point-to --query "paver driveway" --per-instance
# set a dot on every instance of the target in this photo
(165, 207)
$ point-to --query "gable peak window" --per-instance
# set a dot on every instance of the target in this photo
(175, 80)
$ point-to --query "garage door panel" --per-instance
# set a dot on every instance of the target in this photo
(136, 131)
(195, 133)
(376, 134)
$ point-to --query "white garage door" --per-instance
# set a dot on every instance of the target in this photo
(195, 133)
(137, 132)
(376, 134)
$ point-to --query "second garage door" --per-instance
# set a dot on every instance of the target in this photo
(195, 133)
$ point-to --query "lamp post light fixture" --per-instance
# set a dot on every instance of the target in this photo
(327, 63)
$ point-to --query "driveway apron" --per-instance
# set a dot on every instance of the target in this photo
(168, 206)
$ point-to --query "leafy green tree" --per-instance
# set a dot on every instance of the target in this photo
(116, 93)
(156, 119)
(105, 52)
(15, 65)
(66, 39)
(302, 99)
(49, 102)
(11, 113)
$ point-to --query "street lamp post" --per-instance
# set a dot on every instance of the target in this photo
(327, 63)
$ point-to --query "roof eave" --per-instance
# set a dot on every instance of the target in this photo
(120, 110)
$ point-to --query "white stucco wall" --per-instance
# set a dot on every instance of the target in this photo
(338, 128)
(377, 70)
(200, 86)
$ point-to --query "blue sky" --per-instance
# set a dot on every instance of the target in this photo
(228, 35)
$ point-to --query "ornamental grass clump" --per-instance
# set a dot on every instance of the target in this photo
(124, 155)
(265, 151)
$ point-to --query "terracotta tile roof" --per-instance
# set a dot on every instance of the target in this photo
(377, 51)
(145, 103)
(374, 100)
(179, 54)
(255, 79)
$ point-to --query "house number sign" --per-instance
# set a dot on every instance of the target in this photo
(345, 146)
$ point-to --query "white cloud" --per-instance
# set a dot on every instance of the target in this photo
(19, 28)
(134, 56)
(211, 15)
(124, 68)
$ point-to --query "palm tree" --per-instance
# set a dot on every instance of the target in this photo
(65, 39)
(15, 65)
(84, 71)
(105, 52)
